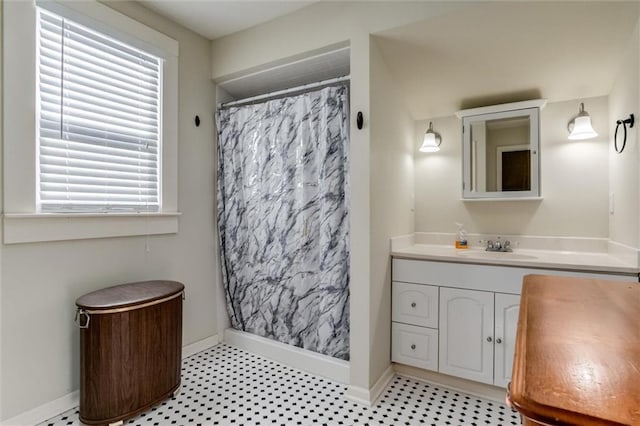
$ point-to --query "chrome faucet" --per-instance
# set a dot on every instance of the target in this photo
(498, 245)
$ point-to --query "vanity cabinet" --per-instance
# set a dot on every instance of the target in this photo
(415, 304)
(477, 334)
(507, 310)
(413, 345)
(415, 325)
(461, 319)
(466, 330)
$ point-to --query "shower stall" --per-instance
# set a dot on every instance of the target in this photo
(283, 217)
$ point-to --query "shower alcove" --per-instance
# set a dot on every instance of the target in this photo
(316, 71)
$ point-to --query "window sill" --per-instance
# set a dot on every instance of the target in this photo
(41, 227)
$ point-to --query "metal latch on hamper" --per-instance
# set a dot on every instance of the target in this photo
(80, 314)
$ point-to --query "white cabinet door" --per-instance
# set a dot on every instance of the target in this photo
(466, 334)
(415, 304)
(416, 346)
(506, 325)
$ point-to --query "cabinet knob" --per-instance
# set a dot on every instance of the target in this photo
(498, 340)
(413, 304)
(413, 347)
(489, 339)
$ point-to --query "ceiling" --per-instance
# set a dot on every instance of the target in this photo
(498, 52)
(216, 18)
(481, 54)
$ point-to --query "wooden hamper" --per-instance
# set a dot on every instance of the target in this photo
(130, 349)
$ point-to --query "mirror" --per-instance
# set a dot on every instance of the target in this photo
(500, 154)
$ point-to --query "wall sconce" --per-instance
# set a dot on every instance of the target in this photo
(432, 140)
(630, 121)
(580, 126)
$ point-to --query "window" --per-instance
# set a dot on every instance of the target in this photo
(87, 163)
(98, 121)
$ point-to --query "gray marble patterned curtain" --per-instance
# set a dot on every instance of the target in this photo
(283, 218)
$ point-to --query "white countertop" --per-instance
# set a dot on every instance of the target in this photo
(546, 259)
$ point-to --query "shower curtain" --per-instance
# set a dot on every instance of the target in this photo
(283, 218)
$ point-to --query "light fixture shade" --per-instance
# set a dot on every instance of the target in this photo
(431, 141)
(580, 126)
(582, 129)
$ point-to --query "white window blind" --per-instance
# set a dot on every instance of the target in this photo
(98, 121)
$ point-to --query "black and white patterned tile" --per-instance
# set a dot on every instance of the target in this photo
(228, 386)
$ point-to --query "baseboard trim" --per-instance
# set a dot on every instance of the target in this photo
(370, 396)
(468, 387)
(381, 384)
(53, 408)
(199, 346)
(302, 359)
(45, 411)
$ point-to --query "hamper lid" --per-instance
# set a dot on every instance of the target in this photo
(131, 294)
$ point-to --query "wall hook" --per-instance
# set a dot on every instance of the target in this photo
(630, 121)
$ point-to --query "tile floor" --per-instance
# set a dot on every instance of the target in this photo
(228, 386)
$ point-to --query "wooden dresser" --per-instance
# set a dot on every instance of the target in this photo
(577, 355)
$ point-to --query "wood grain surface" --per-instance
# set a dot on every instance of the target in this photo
(129, 360)
(577, 356)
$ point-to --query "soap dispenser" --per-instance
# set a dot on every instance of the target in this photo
(461, 237)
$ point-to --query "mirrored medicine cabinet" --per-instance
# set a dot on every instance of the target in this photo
(501, 151)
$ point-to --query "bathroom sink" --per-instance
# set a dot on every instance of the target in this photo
(496, 255)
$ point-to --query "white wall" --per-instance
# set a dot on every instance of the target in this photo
(574, 181)
(311, 28)
(41, 281)
(359, 216)
(301, 33)
(391, 198)
(624, 175)
(2, 210)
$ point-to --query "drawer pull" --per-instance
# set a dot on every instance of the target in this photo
(413, 347)
(413, 304)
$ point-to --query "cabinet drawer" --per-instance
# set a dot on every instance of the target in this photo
(416, 346)
(415, 304)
